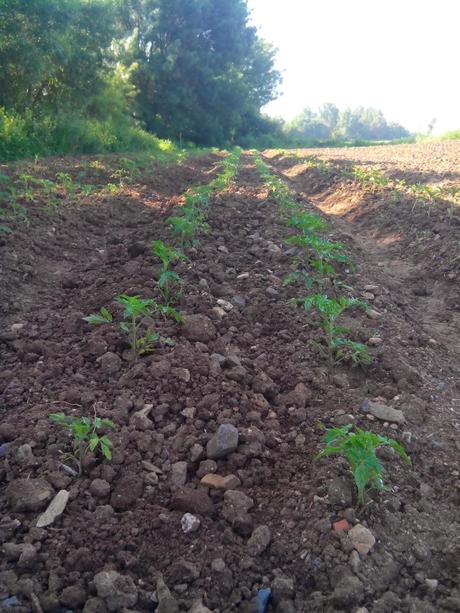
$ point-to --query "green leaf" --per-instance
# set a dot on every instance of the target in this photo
(96, 319)
(362, 476)
(400, 449)
(106, 452)
(93, 442)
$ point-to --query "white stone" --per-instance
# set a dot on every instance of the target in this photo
(227, 306)
(55, 508)
(190, 523)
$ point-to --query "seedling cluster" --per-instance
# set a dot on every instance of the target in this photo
(25, 188)
(317, 261)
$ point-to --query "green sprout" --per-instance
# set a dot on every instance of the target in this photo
(307, 223)
(103, 317)
(84, 432)
(185, 229)
(135, 311)
(318, 254)
(359, 448)
(338, 347)
(169, 281)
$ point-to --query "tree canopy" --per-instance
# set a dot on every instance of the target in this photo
(350, 124)
(198, 68)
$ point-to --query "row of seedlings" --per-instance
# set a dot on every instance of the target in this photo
(137, 320)
(316, 261)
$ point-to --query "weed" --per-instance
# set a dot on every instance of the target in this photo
(69, 185)
(84, 432)
(169, 282)
(359, 448)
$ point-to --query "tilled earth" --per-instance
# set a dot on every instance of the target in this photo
(268, 510)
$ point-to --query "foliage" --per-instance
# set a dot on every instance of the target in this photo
(103, 317)
(359, 449)
(135, 311)
(52, 52)
(26, 135)
(324, 253)
(169, 281)
(329, 123)
(369, 175)
(200, 68)
(84, 432)
(339, 348)
(191, 221)
(307, 223)
(452, 135)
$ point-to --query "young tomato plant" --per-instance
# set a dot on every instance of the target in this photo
(359, 448)
(307, 223)
(338, 347)
(317, 254)
(85, 435)
(169, 282)
(135, 311)
(185, 229)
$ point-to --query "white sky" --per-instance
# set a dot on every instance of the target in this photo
(401, 56)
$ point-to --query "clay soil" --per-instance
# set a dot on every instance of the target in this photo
(255, 365)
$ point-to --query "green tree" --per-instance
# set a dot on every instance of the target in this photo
(329, 115)
(52, 52)
(200, 67)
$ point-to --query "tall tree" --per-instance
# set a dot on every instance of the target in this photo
(52, 52)
(200, 67)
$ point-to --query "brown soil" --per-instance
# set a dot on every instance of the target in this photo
(273, 385)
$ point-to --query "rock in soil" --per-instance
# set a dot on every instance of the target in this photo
(385, 413)
(192, 501)
(259, 541)
(118, 591)
(224, 442)
(166, 601)
(362, 538)
(340, 492)
(198, 328)
(54, 510)
(127, 492)
(190, 523)
(28, 494)
(348, 592)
